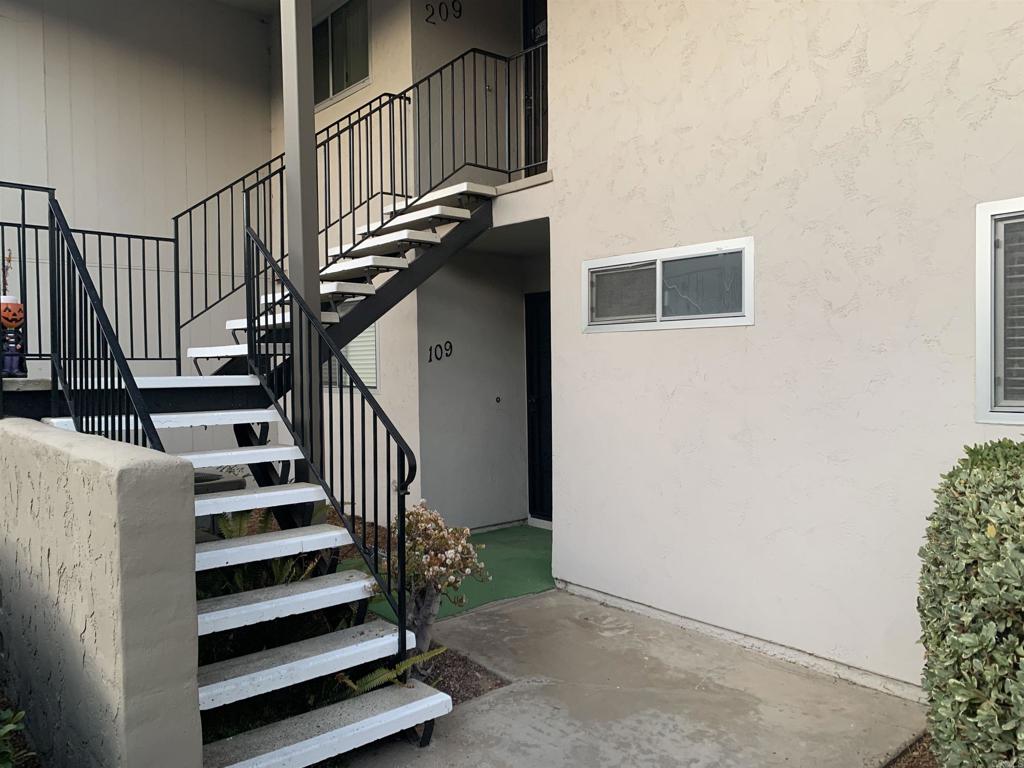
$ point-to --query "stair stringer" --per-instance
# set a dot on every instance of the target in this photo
(401, 284)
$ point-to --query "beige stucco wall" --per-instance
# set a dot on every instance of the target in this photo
(491, 25)
(774, 479)
(98, 616)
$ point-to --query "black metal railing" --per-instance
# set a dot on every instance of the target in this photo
(209, 235)
(133, 273)
(87, 360)
(351, 447)
(479, 111)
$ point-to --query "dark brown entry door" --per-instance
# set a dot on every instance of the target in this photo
(538, 402)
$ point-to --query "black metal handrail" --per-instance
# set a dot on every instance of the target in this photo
(87, 360)
(351, 447)
(480, 110)
(208, 236)
(134, 273)
(371, 160)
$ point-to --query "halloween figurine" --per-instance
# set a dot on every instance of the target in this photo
(12, 318)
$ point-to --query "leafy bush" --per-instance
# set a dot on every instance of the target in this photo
(971, 606)
(11, 754)
(438, 559)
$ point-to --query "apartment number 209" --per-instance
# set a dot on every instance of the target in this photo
(443, 11)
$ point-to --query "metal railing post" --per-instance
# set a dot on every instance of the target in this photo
(177, 300)
(54, 318)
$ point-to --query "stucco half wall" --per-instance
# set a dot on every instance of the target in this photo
(774, 479)
(97, 599)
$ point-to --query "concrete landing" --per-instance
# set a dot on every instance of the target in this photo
(597, 687)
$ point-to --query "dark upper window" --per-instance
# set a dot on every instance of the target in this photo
(341, 50)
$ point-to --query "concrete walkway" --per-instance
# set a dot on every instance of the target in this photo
(594, 686)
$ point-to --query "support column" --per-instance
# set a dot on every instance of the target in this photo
(301, 219)
(300, 147)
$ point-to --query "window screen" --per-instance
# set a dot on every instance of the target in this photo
(361, 354)
(702, 286)
(623, 294)
(341, 50)
(1009, 311)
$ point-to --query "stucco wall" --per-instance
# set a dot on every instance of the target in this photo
(774, 479)
(491, 25)
(477, 393)
(97, 599)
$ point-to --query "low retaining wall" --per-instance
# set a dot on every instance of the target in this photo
(97, 599)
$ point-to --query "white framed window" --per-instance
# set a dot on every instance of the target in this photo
(361, 354)
(341, 51)
(693, 286)
(999, 303)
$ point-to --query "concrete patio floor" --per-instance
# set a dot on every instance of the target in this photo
(594, 686)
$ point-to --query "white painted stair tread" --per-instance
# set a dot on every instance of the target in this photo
(247, 499)
(329, 288)
(225, 350)
(230, 457)
(323, 733)
(419, 219)
(445, 195)
(267, 546)
(242, 609)
(278, 320)
(362, 266)
(180, 382)
(395, 242)
(191, 418)
(258, 673)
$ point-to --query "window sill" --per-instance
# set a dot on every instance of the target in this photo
(668, 325)
(352, 90)
(1006, 418)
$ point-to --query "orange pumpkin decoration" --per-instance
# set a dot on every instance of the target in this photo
(12, 314)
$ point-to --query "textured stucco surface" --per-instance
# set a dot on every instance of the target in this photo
(774, 479)
(97, 599)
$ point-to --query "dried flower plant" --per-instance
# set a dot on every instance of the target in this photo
(438, 560)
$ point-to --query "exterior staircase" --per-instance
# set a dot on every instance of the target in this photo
(305, 426)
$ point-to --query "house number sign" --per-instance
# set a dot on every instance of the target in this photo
(443, 11)
(438, 352)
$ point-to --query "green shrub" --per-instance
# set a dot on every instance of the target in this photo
(11, 754)
(971, 606)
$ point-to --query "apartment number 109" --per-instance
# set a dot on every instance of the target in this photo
(439, 351)
(443, 11)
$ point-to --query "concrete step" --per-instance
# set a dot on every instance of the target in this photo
(323, 733)
(225, 350)
(363, 267)
(217, 614)
(248, 499)
(191, 418)
(267, 546)
(426, 218)
(278, 320)
(236, 457)
(258, 673)
(453, 194)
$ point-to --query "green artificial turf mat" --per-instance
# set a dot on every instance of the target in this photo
(519, 561)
